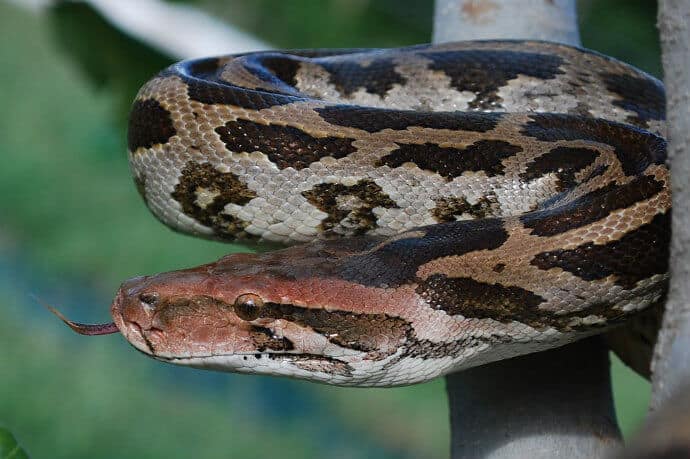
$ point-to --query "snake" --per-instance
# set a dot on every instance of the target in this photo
(438, 207)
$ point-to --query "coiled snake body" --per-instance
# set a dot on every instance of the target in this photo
(459, 204)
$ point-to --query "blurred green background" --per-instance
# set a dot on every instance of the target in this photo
(72, 227)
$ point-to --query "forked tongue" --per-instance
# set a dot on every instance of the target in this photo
(84, 329)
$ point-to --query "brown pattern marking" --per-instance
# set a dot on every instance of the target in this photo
(636, 256)
(565, 162)
(499, 267)
(479, 300)
(483, 155)
(643, 96)
(281, 66)
(378, 334)
(264, 339)
(427, 349)
(484, 72)
(350, 207)
(472, 299)
(596, 172)
(208, 89)
(635, 149)
(205, 67)
(224, 187)
(396, 262)
(591, 207)
(149, 124)
(449, 209)
(377, 119)
(285, 146)
(377, 78)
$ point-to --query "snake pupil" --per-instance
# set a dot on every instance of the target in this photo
(248, 306)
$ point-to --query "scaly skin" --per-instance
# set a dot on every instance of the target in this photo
(492, 198)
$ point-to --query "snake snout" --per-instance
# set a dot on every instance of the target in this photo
(133, 311)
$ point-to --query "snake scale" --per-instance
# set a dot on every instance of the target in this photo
(451, 205)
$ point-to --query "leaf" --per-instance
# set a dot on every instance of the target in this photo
(9, 449)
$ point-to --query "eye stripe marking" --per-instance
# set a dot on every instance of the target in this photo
(378, 333)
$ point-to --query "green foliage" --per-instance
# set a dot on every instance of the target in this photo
(9, 448)
(330, 23)
(625, 29)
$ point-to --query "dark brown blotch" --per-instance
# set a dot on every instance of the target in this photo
(268, 66)
(395, 263)
(473, 299)
(263, 339)
(638, 255)
(285, 146)
(636, 149)
(372, 119)
(450, 209)
(347, 75)
(565, 162)
(484, 72)
(466, 297)
(225, 187)
(149, 124)
(427, 349)
(349, 207)
(483, 155)
(202, 68)
(591, 207)
(205, 86)
(644, 96)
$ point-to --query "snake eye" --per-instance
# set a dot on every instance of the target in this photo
(248, 306)
(149, 298)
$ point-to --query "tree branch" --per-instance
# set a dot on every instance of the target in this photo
(554, 404)
(671, 366)
(552, 20)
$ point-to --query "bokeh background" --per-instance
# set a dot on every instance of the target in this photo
(72, 228)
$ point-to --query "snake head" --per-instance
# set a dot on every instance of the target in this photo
(267, 314)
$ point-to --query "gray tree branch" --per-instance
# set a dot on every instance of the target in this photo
(555, 404)
(671, 366)
(552, 20)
